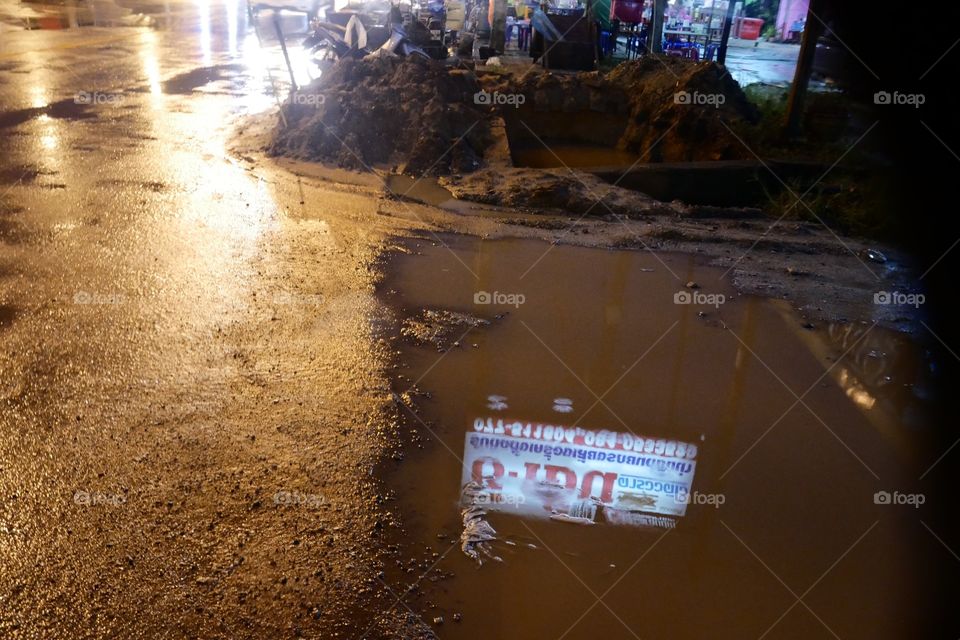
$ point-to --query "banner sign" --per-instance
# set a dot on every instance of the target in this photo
(575, 474)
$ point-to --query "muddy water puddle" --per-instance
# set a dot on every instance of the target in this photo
(421, 189)
(635, 457)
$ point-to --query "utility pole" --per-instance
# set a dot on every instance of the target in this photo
(283, 47)
(812, 31)
(655, 42)
(725, 32)
(498, 24)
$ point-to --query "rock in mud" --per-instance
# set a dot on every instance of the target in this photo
(440, 328)
(874, 256)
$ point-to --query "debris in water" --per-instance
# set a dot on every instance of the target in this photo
(563, 517)
(692, 285)
(437, 327)
(582, 512)
(874, 256)
(496, 403)
(477, 532)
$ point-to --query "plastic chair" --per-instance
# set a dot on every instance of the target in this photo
(673, 48)
(523, 37)
(606, 43)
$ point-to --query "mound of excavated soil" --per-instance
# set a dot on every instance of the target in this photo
(421, 116)
(382, 109)
(681, 111)
(662, 108)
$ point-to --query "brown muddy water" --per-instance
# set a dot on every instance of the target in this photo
(641, 453)
(421, 189)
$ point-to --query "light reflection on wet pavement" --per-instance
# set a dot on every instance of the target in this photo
(176, 349)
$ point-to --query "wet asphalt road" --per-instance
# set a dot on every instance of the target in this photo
(188, 385)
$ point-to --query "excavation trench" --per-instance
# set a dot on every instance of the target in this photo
(591, 142)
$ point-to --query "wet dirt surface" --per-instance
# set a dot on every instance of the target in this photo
(794, 479)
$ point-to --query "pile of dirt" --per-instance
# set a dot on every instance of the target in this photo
(422, 116)
(681, 111)
(567, 93)
(412, 112)
(571, 191)
(662, 108)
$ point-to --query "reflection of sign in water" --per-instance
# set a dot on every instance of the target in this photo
(544, 470)
(496, 403)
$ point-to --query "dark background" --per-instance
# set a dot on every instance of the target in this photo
(900, 42)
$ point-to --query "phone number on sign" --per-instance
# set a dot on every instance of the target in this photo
(602, 439)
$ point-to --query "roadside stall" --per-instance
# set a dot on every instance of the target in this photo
(692, 29)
